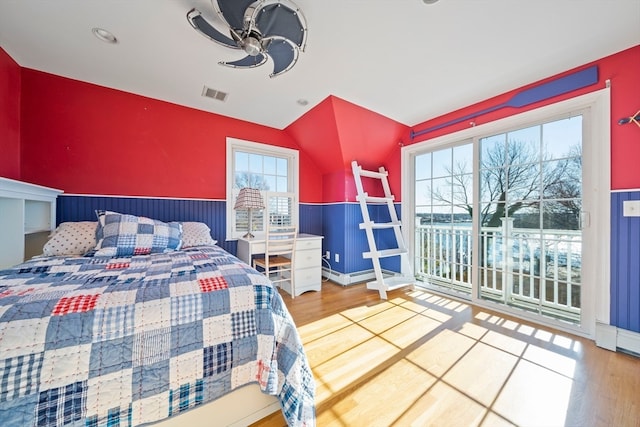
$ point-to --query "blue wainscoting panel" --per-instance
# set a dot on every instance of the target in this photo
(333, 232)
(311, 219)
(386, 238)
(625, 264)
(355, 240)
(343, 236)
(211, 212)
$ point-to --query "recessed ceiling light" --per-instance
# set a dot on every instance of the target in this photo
(302, 102)
(429, 1)
(104, 35)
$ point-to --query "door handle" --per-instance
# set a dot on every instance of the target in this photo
(585, 220)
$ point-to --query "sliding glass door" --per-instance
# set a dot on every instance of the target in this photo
(499, 216)
(530, 204)
(443, 217)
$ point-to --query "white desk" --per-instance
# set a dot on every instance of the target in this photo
(307, 260)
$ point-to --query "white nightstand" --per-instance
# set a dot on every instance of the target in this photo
(307, 260)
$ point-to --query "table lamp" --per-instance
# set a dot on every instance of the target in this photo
(249, 199)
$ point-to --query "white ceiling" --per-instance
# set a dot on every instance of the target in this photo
(404, 59)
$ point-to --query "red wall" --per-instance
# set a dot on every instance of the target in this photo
(9, 117)
(621, 69)
(88, 139)
(336, 132)
(317, 134)
(92, 140)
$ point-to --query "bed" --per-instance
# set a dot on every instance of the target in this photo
(149, 324)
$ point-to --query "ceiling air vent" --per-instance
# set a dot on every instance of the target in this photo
(214, 94)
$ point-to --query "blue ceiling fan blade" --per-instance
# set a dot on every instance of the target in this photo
(247, 62)
(280, 20)
(283, 53)
(232, 11)
(203, 27)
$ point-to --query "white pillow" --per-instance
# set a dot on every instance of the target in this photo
(71, 239)
(196, 234)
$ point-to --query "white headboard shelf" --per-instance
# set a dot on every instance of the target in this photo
(27, 217)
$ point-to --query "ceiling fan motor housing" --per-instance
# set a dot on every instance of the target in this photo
(251, 44)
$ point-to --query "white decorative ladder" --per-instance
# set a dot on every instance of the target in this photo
(382, 284)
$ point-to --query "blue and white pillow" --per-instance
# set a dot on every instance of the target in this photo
(126, 235)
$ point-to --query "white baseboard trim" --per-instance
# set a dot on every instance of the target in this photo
(347, 279)
(613, 338)
(352, 278)
(629, 341)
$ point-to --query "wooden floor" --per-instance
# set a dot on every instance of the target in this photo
(419, 359)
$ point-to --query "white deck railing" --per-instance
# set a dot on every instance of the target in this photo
(524, 267)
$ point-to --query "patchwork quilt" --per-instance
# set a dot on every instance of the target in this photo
(98, 341)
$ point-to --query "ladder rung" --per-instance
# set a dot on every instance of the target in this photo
(373, 199)
(385, 253)
(391, 283)
(380, 225)
(373, 174)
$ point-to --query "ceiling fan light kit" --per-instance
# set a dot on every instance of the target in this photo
(263, 29)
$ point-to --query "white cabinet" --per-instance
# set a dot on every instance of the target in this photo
(27, 217)
(308, 264)
(307, 260)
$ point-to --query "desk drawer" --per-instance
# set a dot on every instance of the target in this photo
(304, 244)
(308, 279)
(308, 258)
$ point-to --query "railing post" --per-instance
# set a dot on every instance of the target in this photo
(507, 258)
(419, 246)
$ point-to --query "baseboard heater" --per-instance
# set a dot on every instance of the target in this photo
(353, 278)
(616, 339)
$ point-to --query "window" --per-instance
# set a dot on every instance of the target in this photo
(272, 170)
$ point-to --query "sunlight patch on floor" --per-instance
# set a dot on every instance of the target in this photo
(323, 327)
(335, 343)
(543, 335)
(504, 343)
(481, 373)
(410, 331)
(418, 307)
(404, 364)
(443, 402)
(510, 325)
(472, 330)
(361, 312)
(392, 393)
(380, 322)
(535, 396)
(441, 352)
(350, 367)
(437, 315)
(566, 342)
(551, 360)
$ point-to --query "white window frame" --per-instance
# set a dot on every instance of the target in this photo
(596, 154)
(292, 157)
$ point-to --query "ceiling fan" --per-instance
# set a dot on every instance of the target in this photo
(264, 29)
